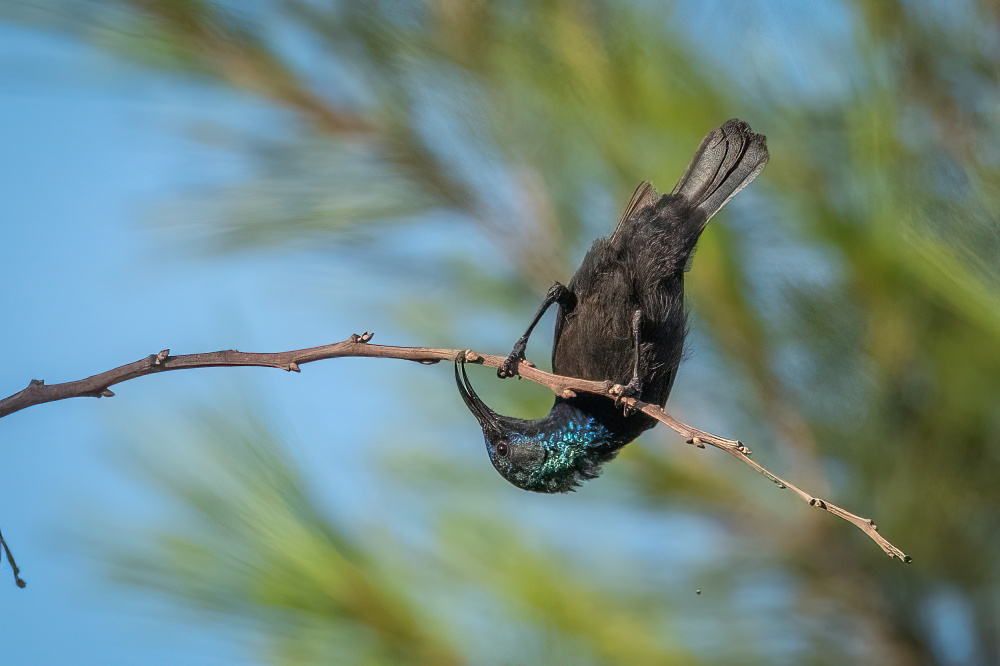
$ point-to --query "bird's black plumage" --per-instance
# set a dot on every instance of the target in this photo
(621, 318)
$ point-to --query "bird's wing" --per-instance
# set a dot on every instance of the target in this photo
(645, 195)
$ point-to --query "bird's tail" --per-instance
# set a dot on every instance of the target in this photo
(728, 160)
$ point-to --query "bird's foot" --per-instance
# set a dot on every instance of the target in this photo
(626, 395)
(509, 367)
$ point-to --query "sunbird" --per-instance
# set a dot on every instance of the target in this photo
(621, 319)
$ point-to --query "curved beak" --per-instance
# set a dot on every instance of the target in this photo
(488, 419)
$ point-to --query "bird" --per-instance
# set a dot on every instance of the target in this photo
(622, 319)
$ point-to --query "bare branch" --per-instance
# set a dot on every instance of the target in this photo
(737, 449)
(37, 392)
(13, 565)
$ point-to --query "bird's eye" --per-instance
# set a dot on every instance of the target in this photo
(502, 450)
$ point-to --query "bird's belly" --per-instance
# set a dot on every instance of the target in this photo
(592, 349)
(595, 340)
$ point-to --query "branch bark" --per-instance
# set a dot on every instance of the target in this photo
(37, 392)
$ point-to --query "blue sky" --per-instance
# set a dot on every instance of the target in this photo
(88, 148)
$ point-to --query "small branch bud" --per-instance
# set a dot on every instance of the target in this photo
(696, 441)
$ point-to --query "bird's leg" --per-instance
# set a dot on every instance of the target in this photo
(634, 388)
(558, 293)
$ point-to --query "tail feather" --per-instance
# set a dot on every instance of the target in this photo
(728, 160)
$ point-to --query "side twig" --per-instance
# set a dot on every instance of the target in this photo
(37, 392)
(13, 565)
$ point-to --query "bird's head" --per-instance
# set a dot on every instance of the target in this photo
(539, 455)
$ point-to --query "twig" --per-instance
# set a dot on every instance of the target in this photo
(13, 565)
(738, 450)
(37, 392)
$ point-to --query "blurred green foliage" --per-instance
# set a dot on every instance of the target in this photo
(846, 316)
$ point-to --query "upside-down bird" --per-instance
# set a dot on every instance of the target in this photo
(622, 319)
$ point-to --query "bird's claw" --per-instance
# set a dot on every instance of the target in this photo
(509, 367)
(631, 390)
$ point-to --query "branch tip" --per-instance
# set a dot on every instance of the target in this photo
(13, 566)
